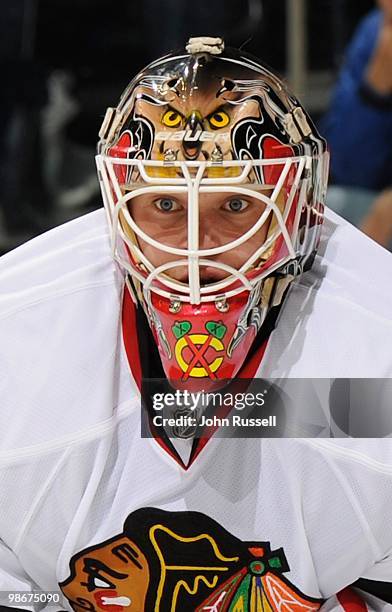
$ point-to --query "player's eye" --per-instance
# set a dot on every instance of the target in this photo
(236, 205)
(171, 118)
(167, 205)
(218, 120)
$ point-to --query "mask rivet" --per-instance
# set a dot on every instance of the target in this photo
(170, 155)
(217, 155)
(175, 306)
(221, 305)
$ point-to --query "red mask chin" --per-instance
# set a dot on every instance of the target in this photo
(200, 346)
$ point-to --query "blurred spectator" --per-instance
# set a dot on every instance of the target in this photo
(358, 126)
(377, 224)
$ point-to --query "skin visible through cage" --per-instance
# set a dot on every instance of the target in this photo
(223, 217)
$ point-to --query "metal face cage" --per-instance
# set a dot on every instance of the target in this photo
(282, 213)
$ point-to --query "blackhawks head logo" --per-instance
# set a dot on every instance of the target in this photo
(180, 562)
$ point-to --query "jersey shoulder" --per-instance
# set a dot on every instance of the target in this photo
(62, 368)
(72, 255)
(336, 320)
(355, 265)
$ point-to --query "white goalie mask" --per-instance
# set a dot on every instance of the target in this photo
(214, 179)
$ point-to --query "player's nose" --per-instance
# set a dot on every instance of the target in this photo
(211, 235)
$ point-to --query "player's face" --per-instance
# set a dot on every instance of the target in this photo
(223, 217)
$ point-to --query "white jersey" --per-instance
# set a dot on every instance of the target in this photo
(89, 506)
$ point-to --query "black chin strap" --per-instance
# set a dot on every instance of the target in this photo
(150, 361)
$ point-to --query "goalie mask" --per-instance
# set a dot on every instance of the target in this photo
(213, 179)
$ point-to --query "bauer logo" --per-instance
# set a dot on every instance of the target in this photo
(190, 136)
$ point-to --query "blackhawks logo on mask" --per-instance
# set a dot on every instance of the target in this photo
(199, 355)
